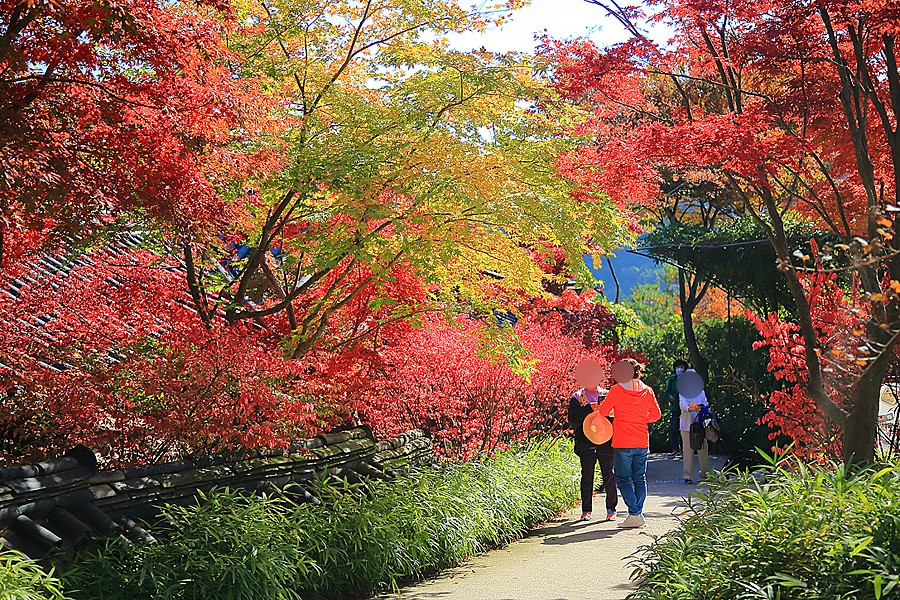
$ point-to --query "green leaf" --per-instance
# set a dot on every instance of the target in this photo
(861, 545)
(882, 473)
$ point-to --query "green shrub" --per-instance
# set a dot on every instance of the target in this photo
(229, 546)
(739, 382)
(432, 518)
(23, 579)
(807, 533)
(362, 539)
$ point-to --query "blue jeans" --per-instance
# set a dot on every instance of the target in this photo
(631, 477)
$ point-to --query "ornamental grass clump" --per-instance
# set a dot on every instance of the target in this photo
(362, 539)
(230, 546)
(23, 579)
(804, 533)
(431, 518)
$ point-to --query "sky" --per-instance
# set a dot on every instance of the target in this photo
(559, 18)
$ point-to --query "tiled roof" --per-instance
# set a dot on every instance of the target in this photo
(56, 267)
(58, 503)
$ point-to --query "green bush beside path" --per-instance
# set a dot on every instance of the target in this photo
(24, 579)
(806, 533)
(363, 539)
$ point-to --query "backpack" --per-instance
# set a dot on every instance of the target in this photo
(710, 421)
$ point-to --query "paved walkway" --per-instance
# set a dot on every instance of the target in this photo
(565, 559)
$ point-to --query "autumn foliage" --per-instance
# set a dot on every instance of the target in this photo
(110, 353)
(299, 230)
(112, 356)
(341, 210)
(113, 109)
(793, 413)
(786, 108)
(442, 379)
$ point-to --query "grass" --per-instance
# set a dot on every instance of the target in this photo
(363, 539)
(23, 579)
(805, 533)
(229, 546)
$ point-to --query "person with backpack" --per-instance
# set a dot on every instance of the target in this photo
(670, 394)
(692, 399)
(634, 404)
(582, 404)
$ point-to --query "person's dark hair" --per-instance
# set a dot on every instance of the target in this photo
(680, 362)
(638, 367)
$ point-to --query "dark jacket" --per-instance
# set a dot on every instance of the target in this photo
(577, 415)
(671, 394)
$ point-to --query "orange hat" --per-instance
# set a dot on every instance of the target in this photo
(597, 428)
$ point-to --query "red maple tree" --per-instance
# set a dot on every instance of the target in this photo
(111, 107)
(108, 352)
(793, 413)
(276, 312)
(744, 98)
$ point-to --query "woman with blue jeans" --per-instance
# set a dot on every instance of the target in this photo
(635, 407)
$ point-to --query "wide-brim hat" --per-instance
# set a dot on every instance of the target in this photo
(597, 428)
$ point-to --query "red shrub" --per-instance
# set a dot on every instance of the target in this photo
(439, 379)
(123, 366)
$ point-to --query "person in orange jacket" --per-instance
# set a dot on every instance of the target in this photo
(634, 404)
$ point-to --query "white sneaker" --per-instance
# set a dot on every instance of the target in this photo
(632, 522)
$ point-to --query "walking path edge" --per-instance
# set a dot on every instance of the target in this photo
(565, 559)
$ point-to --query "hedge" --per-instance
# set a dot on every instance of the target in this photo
(803, 533)
(361, 540)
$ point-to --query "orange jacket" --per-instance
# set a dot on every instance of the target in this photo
(634, 409)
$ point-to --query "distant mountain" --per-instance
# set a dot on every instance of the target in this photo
(631, 270)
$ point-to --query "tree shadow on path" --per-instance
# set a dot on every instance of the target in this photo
(583, 536)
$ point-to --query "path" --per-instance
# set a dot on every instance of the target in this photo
(541, 566)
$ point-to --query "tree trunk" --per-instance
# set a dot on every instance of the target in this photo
(700, 364)
(615, 279)
(861, 428)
